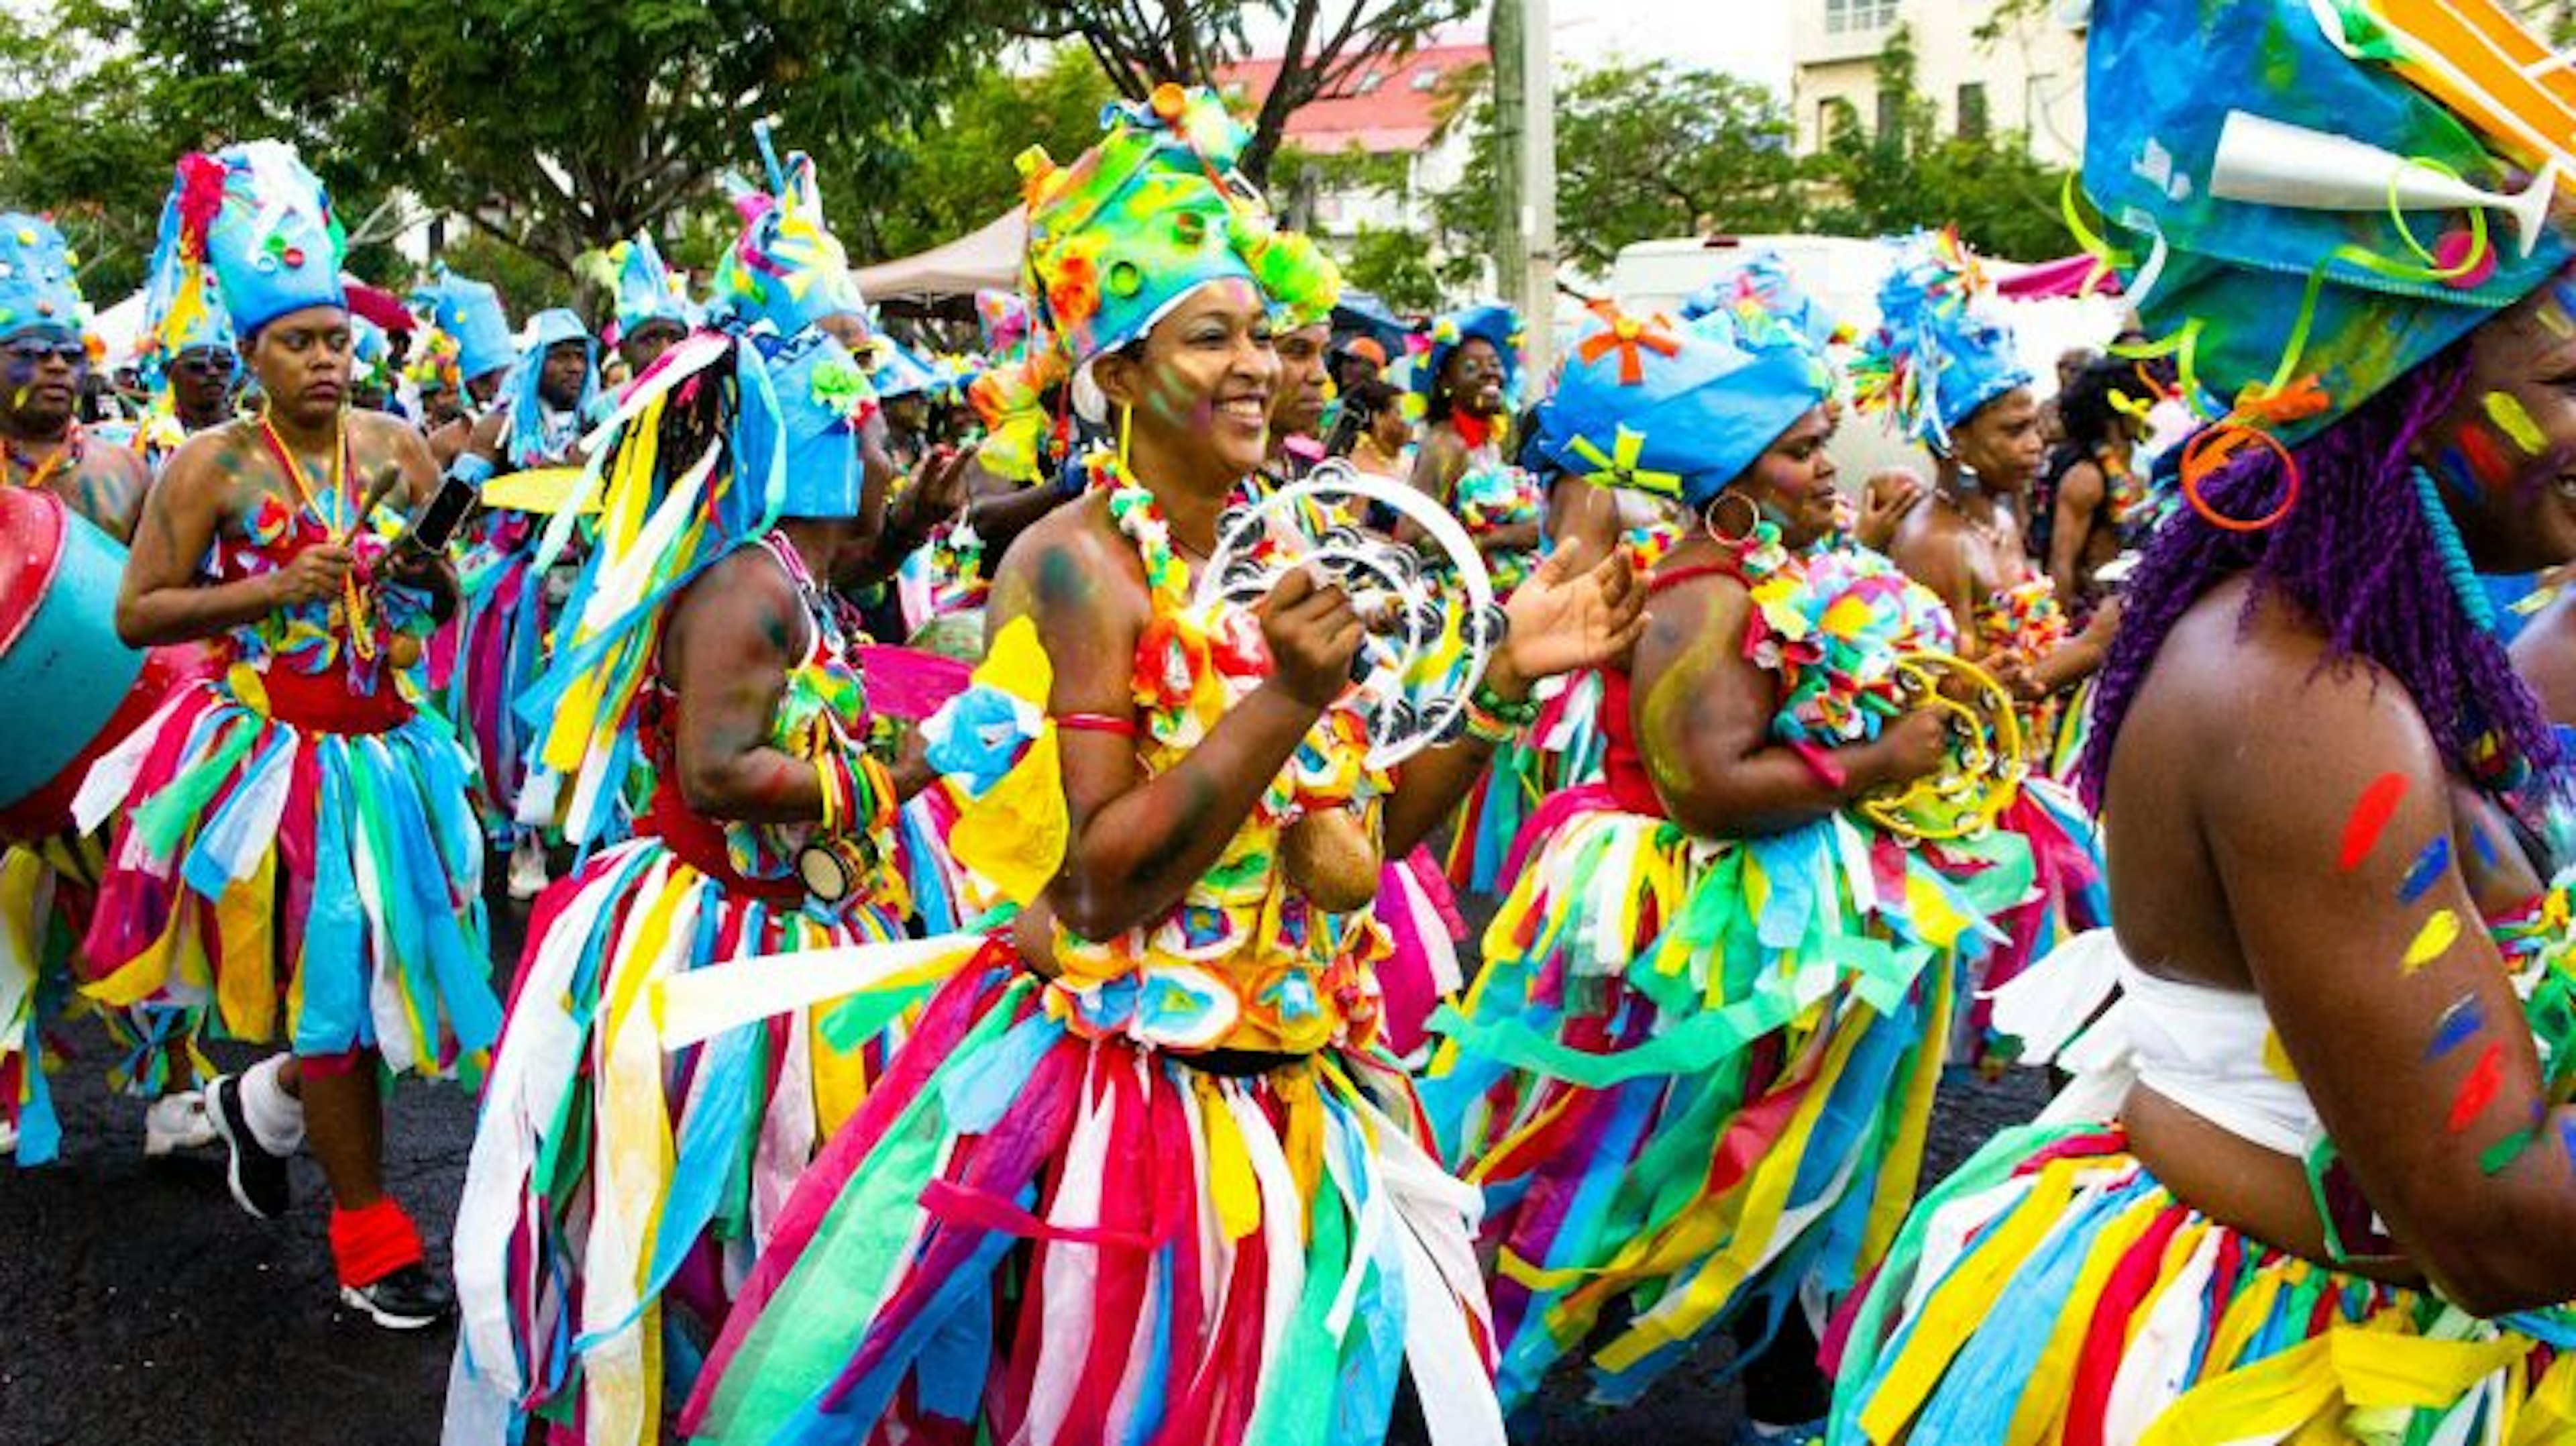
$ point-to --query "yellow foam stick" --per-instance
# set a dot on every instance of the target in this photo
(541, 489)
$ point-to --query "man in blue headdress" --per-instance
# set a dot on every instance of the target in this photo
(550, 400)
(44, 363)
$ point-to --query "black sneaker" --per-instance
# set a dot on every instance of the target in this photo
(257, 1178)
(406, 1300)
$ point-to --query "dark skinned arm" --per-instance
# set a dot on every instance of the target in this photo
(726, 649)
(1940, 563)
(2079, 497)
(1437, 465)
(160, 600)
(1136, 844)
(1002, 509)
(1701, 712)
(2297, 745)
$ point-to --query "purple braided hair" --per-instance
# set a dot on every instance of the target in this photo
(2359, 555)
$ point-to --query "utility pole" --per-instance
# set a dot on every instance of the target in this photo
(1524, 243)
(1537, 295)
(1504, 40)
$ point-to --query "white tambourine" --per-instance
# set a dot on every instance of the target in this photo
(1436, 634)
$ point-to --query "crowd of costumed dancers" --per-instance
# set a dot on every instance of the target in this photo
(997, 826)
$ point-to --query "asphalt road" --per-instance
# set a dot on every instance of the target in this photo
(139, 1306)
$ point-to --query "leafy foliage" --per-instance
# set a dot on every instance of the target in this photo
(1644, 150)
(1395, 266)
(1911, 175)
(1140, 43)
(956, 171)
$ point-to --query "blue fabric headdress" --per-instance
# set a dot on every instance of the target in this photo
(647, 291)
(1678, 411)
(36, 284)
(263, 223)
(469, 311)
(528, 444)
(183, 309)
(823, 399)
(1489, 321)
(1940, 350)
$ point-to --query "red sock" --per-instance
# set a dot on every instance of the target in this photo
(372, 1242)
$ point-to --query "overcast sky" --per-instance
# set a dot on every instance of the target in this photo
(1747, 37)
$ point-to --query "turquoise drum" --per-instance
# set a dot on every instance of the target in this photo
(66, 679)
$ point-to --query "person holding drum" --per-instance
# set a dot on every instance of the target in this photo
(2316, 1178)
(1697, 1070)
(1135, 1146)
(295, 844)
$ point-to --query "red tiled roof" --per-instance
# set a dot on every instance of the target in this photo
(1386, 105)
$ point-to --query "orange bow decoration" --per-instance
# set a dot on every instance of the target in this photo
(1627, 336)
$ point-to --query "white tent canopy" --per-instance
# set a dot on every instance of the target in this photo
(988, 258)
(120, 327)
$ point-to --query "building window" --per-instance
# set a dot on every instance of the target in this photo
(1368, 83)
(1858, 17)
(1426, 78)
(1972, 111)
(1891, 113)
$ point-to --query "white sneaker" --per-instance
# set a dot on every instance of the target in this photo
(177, 1122)
(8, 1138)
(527, 868)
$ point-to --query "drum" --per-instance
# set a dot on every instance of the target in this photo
(70, 689)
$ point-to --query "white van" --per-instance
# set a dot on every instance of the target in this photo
(1842, 274)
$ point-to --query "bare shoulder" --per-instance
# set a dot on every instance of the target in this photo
(2257, 698)
(1073, 557)
(743, 599)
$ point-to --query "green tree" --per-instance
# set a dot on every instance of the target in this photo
(1394, 265)
(557, 129)
(1323, 46)
(1907, 174)
(1645, 150)
(956, 169)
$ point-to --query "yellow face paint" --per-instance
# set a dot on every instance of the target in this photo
(2434, 940)
(2509, 417)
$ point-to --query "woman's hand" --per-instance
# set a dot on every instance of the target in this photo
(1562, 620)
(317, 574)
(1914, 746)
(1313, 633)
(1884, 502)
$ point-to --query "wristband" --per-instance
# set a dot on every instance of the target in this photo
(1519, 715)
(471, 469)
(1484, 726)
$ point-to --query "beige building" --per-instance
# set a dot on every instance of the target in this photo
(2030, 78)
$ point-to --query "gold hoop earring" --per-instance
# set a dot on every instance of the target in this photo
(1752, 520)
(1126, 428)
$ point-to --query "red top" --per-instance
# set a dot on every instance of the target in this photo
(1624, 768)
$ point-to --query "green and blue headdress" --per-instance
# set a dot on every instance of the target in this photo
(2292, 315)
(786, 268)
(1678, 410)
(1153, 212)
(254, 215)
(470, 313)
(1942, 349)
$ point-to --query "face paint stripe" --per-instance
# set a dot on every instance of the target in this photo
(2479, 1090)
(2486, 465)
(2432, 941)
(2462, 1020)
(2369, 816)
(2426, 870)
(2508, 414)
